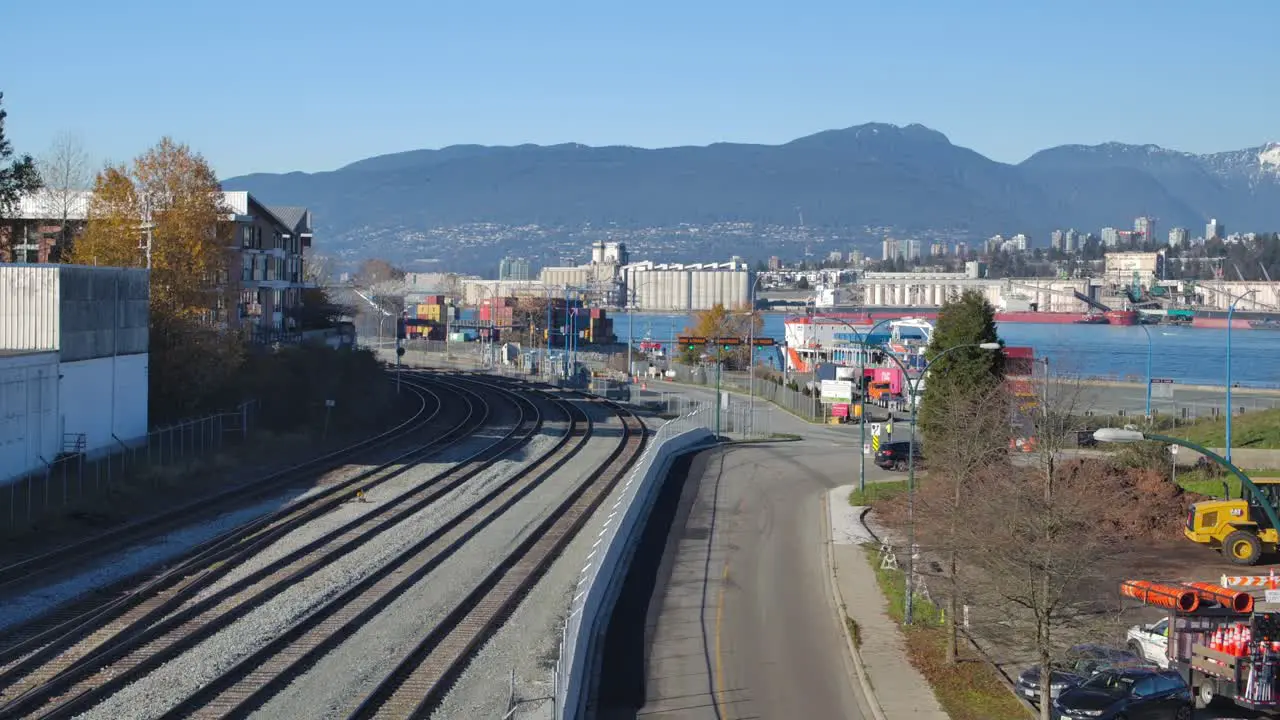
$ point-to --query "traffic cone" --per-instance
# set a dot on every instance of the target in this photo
(1215, 639)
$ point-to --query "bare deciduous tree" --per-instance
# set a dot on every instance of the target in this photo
(967, 442)
(1046, 555)
(318, 270)
(1050, 547)
(65, 171)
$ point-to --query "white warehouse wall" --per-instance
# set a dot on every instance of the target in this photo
(103, 397)
(29, 434)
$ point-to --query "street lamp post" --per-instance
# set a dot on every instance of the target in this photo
(1150, 352)
(707, 357)
(909, 604)
(751, 354)
(1118, 435)
(863, 342)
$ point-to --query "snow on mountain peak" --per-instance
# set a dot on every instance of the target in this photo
(1269, 158)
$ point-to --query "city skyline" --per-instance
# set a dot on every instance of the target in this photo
(506, 74)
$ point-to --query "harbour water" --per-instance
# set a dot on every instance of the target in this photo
(1185, 355)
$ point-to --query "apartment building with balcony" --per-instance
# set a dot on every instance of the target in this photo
(265, 269)
(266, 250)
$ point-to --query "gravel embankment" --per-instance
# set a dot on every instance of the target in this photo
(128, 562)
(177, 679)
(529, 641)
(330, 688)
(154, 552)
(376, 498)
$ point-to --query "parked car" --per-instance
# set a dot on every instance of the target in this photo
(893, 456)
(1150, 642)
(1078, 665)
(1136, 692)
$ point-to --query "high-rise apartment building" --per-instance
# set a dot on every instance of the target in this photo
(1071, 241)
(1146, 228)
(1110, 237)
(890, 249)
(1020, 242)
(1214, 230)
(1058, 241)
(513, 268)
(1177, 237)
(913, 249)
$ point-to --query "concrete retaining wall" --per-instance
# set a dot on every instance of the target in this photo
(607, 566)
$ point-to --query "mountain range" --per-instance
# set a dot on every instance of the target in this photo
(863, 180)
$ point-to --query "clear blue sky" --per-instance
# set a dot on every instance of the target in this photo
(279, 85)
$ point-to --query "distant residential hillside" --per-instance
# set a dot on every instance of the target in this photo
(869, 176)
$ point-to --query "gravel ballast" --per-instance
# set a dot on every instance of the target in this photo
(164, 687)
(329, 689)
(529, 641)
(129, 562)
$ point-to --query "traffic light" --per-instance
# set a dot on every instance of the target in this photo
(764, 342)
(691, 342)
(727, 343)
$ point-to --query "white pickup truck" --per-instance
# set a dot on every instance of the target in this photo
(1150, 642)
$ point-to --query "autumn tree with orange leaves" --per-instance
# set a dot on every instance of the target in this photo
(722, 322)
(173, 191)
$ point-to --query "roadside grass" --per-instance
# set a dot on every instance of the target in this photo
(969, 690)
(1210, 483)
(876, 492)
(1258, 430)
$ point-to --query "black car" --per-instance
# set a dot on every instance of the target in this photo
(1127, 693)
(894, 455)
(1078, 665)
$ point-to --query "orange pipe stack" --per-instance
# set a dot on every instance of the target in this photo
(1238, 601)
(1173, 597)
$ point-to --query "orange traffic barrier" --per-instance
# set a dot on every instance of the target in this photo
(1238, 601)
(1173, 597)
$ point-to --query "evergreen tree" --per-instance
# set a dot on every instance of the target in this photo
(964, 373)
(17, 176)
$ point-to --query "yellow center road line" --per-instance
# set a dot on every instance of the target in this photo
(719, 693)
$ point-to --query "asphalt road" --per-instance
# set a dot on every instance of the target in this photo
(741, 623)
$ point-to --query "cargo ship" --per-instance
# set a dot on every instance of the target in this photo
(1240, 319)
(1111, 317)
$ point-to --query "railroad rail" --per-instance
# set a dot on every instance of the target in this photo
(270, 669)
(422, 678)
(73, 672)
(23, 570)
(94, 639)
(22, 640)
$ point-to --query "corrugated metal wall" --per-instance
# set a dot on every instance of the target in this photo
(28, 307)
(83, 312)
(104, 312)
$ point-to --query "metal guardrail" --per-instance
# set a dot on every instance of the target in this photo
(571, 640)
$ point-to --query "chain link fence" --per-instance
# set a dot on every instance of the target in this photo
(76, 475)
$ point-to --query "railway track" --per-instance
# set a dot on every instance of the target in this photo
(169, 623)
(21, 640)
(41, 650)
(23, 571)
(422, 678)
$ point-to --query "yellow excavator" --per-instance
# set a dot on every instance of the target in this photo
(1243, 528)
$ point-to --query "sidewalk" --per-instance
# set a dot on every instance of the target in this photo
(900, 690)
